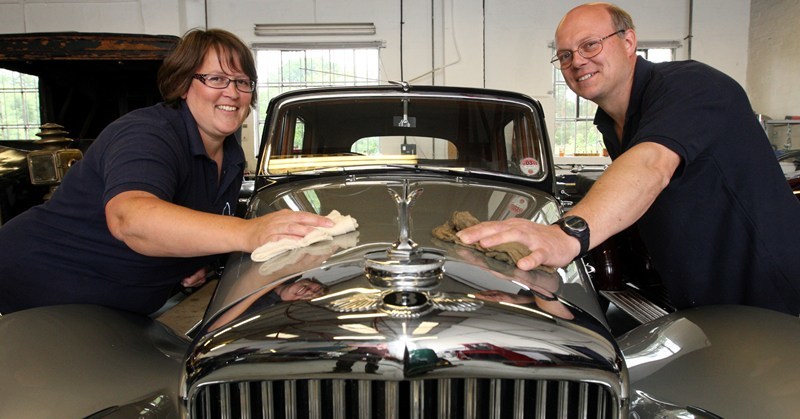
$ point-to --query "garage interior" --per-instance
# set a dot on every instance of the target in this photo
(503, 44)
(472, 43)
(496, 44)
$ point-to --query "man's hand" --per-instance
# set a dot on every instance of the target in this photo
(549, 245)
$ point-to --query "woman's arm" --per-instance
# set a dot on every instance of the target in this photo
(154, 227)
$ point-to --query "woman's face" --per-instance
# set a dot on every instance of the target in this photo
(218, 112)
(303, 289)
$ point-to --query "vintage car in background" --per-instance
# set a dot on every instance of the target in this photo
(85, 81)
(393, 319)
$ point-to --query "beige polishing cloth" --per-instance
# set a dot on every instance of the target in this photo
(344, 224)
(508, 252)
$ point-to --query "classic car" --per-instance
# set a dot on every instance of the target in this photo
(393, 317)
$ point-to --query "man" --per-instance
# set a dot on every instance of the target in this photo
(691, 166)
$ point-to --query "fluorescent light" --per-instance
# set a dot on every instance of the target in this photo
(313, 29)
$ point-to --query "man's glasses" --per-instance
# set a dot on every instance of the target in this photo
(588, 49)
(221, 82)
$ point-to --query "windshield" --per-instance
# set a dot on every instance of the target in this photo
(463, 133)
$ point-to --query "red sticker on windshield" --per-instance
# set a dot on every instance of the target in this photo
(529, 166)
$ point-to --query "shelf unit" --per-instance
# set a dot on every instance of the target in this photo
(788, 123)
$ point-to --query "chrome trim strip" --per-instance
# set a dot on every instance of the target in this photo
(563, 399)
(417, 404)
(364, 399)
(583, 400)
(339, 402)
(314, 399)
(290, 399)
(244, 399)
(225, 399)
(392, 390)
(541, 397)
(444, 390)
(470, 397)
(266, 394)
(519, 399)
(495, 398)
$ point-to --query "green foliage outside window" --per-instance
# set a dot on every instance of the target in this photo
(575, 133)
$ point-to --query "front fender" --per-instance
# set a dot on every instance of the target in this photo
(734, 361)
(78, 360)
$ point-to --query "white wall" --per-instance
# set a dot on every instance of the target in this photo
(774, 58)
(502, 44)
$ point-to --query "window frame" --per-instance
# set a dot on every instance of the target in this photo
(585, 110)
(21, 91)
(269, 86)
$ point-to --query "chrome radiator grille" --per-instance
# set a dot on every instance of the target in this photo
(433, 398)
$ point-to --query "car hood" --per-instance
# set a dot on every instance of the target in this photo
(372, 201)
(441, 310)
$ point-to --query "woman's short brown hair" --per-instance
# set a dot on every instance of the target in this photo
(178, 69)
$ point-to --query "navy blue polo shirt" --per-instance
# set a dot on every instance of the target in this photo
(62, 251)
(725, 229)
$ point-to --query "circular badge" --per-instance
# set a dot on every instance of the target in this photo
(518, 205)
(529, 166)
(405, 299)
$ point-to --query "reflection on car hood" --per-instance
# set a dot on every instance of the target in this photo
(439, 310)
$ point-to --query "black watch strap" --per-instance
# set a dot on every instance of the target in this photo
(576, 227)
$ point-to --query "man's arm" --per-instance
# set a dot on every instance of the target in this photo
(154, 227)
(617, 199)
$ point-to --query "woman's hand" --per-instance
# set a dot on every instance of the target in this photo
(283, 224)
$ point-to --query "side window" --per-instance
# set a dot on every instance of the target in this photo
(299, 134)
(424, 148)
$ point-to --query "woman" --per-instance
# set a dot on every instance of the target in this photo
(150, 204)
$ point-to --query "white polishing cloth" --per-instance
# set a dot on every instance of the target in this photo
(344, 224)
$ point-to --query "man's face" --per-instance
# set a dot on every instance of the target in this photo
(602, 77)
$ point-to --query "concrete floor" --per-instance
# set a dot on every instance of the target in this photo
(184, 312)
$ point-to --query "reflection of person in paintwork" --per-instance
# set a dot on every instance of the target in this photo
(371, 355)
(541, 286)
(263, 277)
(544, 279)
(303, 289)
(547, 303)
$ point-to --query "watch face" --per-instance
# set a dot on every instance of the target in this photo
(575, 223)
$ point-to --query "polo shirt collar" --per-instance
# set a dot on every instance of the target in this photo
(232, 153)
(642, 73)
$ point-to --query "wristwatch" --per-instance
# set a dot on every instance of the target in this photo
(576, 227)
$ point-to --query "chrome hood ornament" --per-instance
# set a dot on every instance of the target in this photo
(404, 275)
